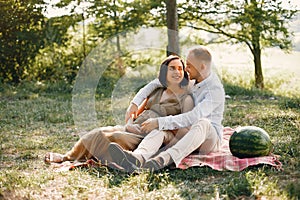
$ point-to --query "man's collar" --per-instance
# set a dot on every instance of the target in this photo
(205, 81)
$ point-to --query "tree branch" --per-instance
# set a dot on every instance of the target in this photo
(222, 32)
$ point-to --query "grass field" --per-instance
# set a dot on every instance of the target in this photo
(35, 119)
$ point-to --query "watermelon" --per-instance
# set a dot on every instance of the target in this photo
(250, 141)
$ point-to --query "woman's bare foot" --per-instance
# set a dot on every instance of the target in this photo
(53, 157)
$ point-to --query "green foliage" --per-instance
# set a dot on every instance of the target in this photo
(21, 36)
(57, 63)
(242, 21)
(40, 49)
(56, 31)
(31, 44)
(115, 17)
(258, 24)
(64, 53)
(132, 62)
(69, 44)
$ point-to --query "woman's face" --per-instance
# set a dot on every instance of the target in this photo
(175, 72)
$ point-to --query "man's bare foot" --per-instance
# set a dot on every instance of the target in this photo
(53, 157)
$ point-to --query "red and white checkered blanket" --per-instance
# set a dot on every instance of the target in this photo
(221, 160)
(224, 160)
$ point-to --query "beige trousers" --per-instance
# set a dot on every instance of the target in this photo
(201, 137)
(95, 143)
(157, 141)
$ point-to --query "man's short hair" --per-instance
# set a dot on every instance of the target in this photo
(203, 54)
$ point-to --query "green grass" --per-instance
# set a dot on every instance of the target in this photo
(35, 119)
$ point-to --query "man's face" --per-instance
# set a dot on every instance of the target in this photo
(193, 67)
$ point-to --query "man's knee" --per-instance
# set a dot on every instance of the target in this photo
(203, 122)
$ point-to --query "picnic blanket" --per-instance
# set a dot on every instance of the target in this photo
(224, 160)
(221, 160)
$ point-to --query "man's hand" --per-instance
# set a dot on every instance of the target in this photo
(131, 112)
(149, 125)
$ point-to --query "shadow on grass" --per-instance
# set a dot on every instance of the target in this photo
(208, 183)
(251, 183)
(192, 183)
(114, 177)
(29, 91)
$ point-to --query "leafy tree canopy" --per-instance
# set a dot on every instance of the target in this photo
(21, 36)
(256, 23)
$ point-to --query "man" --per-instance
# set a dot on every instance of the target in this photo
(205, 119)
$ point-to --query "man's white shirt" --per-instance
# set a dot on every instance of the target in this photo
(209, 100)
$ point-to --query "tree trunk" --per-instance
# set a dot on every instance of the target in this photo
(256, 49)
(259, 78)
(172, 25)
(119, 60)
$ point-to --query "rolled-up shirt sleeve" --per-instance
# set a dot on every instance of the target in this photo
(146, 91)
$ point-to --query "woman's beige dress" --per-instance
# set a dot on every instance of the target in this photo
(95, 143)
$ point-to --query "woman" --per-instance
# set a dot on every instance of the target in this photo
(172, 99)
